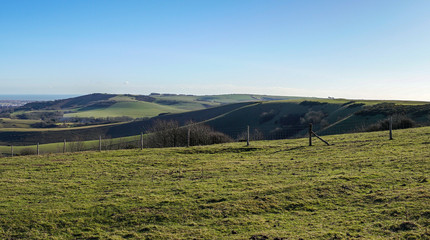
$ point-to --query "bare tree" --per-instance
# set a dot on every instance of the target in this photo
(165, 134)
(201, 134)
(170, 134)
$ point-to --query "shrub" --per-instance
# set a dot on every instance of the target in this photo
(44, 125)
(312, 103)
(266, 116)
(27, 151)
(314, 117)
(356, 105)
(76, 146)
(201, 134)
(388, 109)
(164, 134)
(291, 120)
(254, 135)
(170, 134)
(399, 122)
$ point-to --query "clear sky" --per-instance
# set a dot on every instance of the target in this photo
(363, 49)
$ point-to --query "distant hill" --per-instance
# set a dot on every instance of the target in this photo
(267, 120)
(100, 105)
(75, 102)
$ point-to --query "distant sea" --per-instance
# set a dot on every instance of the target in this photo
(34, 97)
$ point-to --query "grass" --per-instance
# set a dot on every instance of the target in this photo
(15, 129)
(189, 103)
(123, 98)
(71, 146)
(232, 98)
(128, 106)
(364, 186)
(252, 115)
(16, 123)
(271, 118)
(356, 101)
(131, 109)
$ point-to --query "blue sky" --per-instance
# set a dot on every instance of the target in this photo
(350, 49)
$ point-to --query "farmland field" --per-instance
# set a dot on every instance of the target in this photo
(16, 123)
(271, 117)
(72, 146)
(362, 186)
(132, 109)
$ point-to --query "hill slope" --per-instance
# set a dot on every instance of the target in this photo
(100, 105)
(134, 109)
(22, 136)
(364, 186)
(267, 120)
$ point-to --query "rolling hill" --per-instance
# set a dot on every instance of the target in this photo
(99, 105)
(276, 119)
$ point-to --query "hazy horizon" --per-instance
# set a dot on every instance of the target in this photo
(353, 50)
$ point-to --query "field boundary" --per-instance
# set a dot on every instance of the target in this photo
(179, 136)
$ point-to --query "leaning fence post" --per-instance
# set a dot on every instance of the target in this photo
(391, 127)
(247, 136)
(64, 146)
(37, 149)
(100, 143)
(141, 140)
(310, 134)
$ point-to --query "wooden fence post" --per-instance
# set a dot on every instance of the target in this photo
(141, 140)
(391, 127)
(11, 150)
(37, 149)
(100, 143)
(311, 132)
(64, 146)
(189, 137)
(324, 141)
(247, 136)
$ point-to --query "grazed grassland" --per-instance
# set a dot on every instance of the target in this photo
(16, 123)
(362, 187)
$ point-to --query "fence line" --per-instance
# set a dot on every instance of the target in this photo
(192, 135)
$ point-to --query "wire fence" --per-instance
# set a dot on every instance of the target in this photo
(198, 134)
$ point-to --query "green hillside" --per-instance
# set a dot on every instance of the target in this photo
(267, 119)
(361, 187)
(232, 98)
(31, 136)
(134, 109)
(16, 123)
(291, 118)
(100, 105)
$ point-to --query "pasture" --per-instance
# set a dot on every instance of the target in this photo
(363, 186)
(16, 123)
(135, 109)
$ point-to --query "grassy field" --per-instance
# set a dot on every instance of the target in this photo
(16, 123)
(133, 109)
(23, 129)
(71, 146)
(272, 119)
(223, 98)
(363, 186)
(136, 106)
(267, 116)
(231, 98)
